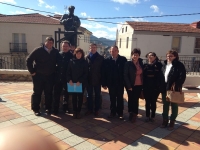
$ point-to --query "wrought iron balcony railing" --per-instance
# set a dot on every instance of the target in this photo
(18, 47)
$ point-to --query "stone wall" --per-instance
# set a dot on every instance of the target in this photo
(14, 75)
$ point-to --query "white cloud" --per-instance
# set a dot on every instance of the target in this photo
(41, 2)
(119, 25)
(139, 20)
(100, 33)
(8, 1)
(127, 1)
(83, 14)
(99, 26)
(155, 8)
(58, 13)
(50, 7)
(117, 8)
(17, 12)
(90, 18)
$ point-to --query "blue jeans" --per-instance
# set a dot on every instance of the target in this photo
(97, 92)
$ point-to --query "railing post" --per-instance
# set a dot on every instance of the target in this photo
(59, 30)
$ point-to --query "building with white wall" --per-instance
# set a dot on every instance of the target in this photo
(20, 34)
(159, 38)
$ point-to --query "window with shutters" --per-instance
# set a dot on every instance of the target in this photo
(127, 39)
(18, 43)
(197, 45)
(176, 42)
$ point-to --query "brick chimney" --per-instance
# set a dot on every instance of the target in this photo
(195, 25)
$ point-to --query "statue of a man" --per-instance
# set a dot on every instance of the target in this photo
(70, 21)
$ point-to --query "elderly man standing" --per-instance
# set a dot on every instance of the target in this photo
(41, 64)
(95, 61)
(112, 78)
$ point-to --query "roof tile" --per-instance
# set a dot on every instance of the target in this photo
(163, 27)
(29, 18)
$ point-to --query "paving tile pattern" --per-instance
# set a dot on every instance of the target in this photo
(101, 133)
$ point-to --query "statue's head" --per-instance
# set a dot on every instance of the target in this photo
(71, 9)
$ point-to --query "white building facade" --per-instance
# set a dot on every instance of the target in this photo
(159, 38)
(22, 33)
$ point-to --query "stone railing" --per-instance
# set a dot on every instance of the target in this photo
(14, 75)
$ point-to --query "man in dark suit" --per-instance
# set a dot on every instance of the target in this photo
(112, 78)
(95, 61)
(61, 79)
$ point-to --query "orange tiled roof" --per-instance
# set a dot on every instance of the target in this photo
(29, 18)
(163, 27)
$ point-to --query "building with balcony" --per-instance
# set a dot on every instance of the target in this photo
(20, 34)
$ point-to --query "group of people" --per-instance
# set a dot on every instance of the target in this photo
(51, 70)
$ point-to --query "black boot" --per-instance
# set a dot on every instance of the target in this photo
(165, 123)
(171, 125)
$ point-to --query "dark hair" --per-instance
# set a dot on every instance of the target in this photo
(71, 7)
(93, 44)
(49, 39)
(152, 53)
(79, 50)
(65, 41)
(136, 50)
(173, 52)
(114, 46)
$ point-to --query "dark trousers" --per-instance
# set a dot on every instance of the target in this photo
(97, 92)
(116, 99)
(60, 87)
(151, 97)
(133, 99)
(42, 83)
(77, 100)
(166, 105)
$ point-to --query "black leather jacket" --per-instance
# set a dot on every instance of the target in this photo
(177, 75)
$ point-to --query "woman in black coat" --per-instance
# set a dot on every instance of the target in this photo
(77, 73)
(152, 77)
(175, 74)
(133, 79)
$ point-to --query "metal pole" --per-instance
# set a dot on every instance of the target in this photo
(59, 29)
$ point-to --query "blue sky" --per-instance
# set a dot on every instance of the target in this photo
(110, 8)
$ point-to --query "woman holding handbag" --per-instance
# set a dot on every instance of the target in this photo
(133, 79)
(77, 73)
(152, 76)
(175, 74)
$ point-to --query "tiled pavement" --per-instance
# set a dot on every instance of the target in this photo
(101, 133)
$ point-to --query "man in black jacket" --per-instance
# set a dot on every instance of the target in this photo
(112, 78)
(61, 79)
(41, 64)
(95, 61)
